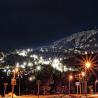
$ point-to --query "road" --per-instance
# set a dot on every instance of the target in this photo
(58, 96)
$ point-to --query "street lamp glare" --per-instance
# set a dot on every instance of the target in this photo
(88, 65)
(16, 70)
(83, 74)
(38, 68)
(30, 78)
(70, 77)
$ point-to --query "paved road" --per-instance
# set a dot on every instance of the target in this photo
(60, 96)
(84, 96)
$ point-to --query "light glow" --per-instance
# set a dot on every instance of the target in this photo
(88, 65)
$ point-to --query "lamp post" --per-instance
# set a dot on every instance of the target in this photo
(38, 87)
(70, 78)
(13, 81)
(83, 75)
(38, 81)
(5, 85)
(18, 70)
(80, 82)
(96, 81)
(87, 67)
(19, 81)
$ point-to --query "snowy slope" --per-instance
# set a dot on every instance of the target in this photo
(81, 42)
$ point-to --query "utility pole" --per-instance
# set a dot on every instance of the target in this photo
(5, 85)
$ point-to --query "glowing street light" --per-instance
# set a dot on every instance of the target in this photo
(38, 68)
(70, 78)
(83, 74)
(30, 64)
(16, 70)
(30, 78)
(13, 81)
(17, 65)
(87, 65)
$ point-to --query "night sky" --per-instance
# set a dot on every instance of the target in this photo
(32, 23)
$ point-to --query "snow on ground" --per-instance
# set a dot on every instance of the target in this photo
(57, 96)
(41, 96)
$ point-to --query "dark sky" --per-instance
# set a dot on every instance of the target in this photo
(31, 23)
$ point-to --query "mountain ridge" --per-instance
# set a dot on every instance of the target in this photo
(77, 43)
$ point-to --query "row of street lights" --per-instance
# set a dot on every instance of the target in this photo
(78, 83)
(83, 74)
(87, 67)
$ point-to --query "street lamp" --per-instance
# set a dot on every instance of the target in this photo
(19, 81)
(13, 81)
(83, 74)
(89, 63)
(5, 85)
(80, 82)
(38, 68)
(95, 85)
(19, 73)
(87, 67)
(70, 78)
